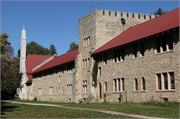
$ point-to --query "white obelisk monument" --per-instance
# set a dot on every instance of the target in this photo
(21, 90)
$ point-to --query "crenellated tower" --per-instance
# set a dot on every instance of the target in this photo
(96, 29)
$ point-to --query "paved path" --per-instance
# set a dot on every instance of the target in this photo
(103, 111)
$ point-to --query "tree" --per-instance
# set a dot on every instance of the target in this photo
(35, 48)
(4, 42)
(73, 46)
(9, 77)
(9, 68)
(160, 12)
(52, 50)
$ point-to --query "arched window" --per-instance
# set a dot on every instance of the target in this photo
(105, 87)
(136, 84)
(143, 84)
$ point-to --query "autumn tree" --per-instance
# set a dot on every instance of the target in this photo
(73, 46)
(160, 12)
(9, 69)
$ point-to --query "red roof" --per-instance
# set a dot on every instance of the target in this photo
(32, 61)
(157, 25)
(68, 57)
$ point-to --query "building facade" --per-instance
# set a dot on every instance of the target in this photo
(138, 61)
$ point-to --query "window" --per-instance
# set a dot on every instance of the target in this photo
(143, 84)
(70, 67)
(59, 90)
(115, 85)
(142, 49)
(135, 51)
(62, 69)
(165, 81)
(122, 54)
(51, 90)
(158, 45)
(118, 80)
(164, 44)
(122, 84)
(118, 85)
(69, 86)
(105, 87)
(172, 80)
(170, 42)
(85, 86)
(86, 63)
(119, 55)
(83, 64)
(159, 81)
(51, 73)
(105, 58)
(136, 84)
(86, 41)
(99, 71)
(116, 56)
(39, 91)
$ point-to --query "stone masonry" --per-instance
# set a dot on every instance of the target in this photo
(133, 78)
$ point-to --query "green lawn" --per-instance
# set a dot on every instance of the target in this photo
(14, 110)
(153, 109)
(140, 109)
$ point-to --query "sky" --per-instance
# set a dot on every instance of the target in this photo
(56, 22)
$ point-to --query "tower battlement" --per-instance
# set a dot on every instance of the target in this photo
(119, 14)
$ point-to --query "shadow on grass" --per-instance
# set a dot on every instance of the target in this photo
(6, 108)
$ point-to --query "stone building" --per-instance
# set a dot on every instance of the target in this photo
(137, 61)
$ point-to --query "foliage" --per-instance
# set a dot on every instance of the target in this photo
(73, 46)
(4, 42)
(52, 50)
(9, 69)
(35, 48)
(160, 12)
(94, 73)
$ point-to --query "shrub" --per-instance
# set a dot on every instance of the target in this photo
(35, 99)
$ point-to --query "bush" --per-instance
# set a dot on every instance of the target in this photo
(35, 99)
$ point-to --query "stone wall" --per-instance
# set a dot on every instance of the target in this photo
(96, 29)
(58, 82)
(146, 67)
(100, 27)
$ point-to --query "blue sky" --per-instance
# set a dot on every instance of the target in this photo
(56, 22)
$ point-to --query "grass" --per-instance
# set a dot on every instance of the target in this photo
(170, 110)
(14, 110)
(153, 109)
